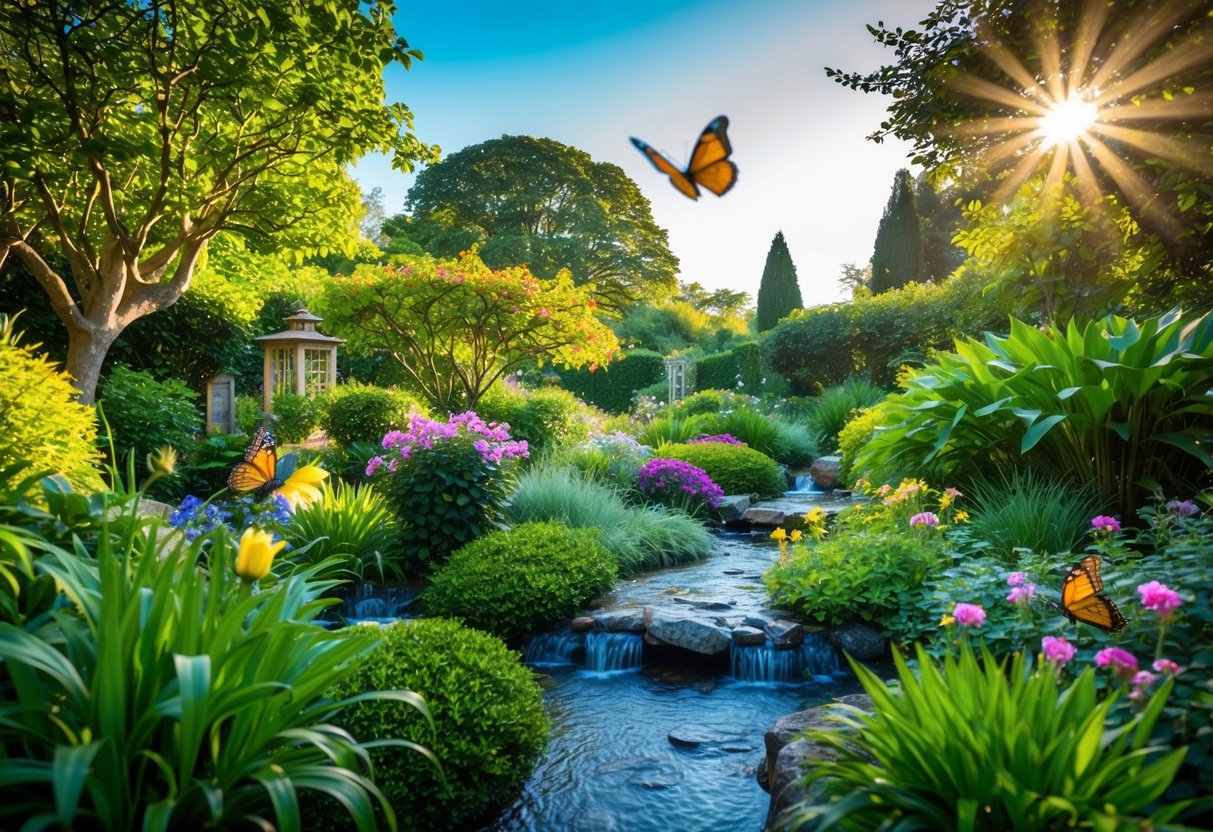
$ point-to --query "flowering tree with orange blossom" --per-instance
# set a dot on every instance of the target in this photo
(457, 326)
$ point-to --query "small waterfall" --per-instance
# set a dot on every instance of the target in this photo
(553, 648)
(805, 485)
(764, 663)
(381, 604)
(613, 651)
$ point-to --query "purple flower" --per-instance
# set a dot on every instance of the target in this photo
(373, 465)
(1057, 650)
(1167, 666)
(1122, 662)
(1017, 578)
(673, 479)
(970, 615)
(1187, 508)
(1105, 524)
(722, 438)
(1022, 595)
(926, 518)
(1162, 599)
(1141, 680)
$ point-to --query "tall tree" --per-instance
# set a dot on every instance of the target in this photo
(132, 133)
(373, 215)
(550, 206)
(897, 256)
(940, 217)
(779, 291)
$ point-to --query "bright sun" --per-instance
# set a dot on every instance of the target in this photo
(1067, 121)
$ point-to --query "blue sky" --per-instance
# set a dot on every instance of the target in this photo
(592, 74)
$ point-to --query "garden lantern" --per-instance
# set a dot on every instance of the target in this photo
(298, 359)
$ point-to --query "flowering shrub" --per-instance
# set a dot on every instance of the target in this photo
(735, 468)
(723, 438)
(612, 457)
(445, 480)
(678, 485)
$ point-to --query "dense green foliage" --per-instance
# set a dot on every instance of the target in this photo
(852, 439)
(296, 417)
(513, 582)
(144, 414)
(779, 290)
(737, 469)
(836, 406)
(611, 458)
(613, 388)
(1115, 404)
(249, 411)
(897, 257)
(536, 201)
(158, 651)
(254, 140)
(739, 368)
(488, 722)
(40, 421)
(354, 526)
(543, 418)
(210, 459)
(640, 538)
(974, 743)
(357, 412)
(694, 323)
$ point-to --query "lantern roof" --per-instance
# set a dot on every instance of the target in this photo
(302, 328)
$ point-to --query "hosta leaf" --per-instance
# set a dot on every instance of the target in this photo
(1038, 431)
(1188, 442)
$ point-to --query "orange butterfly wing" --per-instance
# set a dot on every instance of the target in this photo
(709, 167)
(1081, 599)
(256, 472)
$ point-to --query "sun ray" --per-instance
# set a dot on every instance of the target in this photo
(1091, 23)
(1141, 195)
(1050, 65)
(1189, 154)
(1138, 36)
(977, 87)
(1009, 62)
(1018, 175)
(1197, 105)
(1185, 56)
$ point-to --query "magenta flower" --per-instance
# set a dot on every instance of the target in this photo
(721, 438)
(1186, 508)
(1141, 680)
(1162, 599)
(1167, 666)
(926, 518)
(1022, 595)
(1122, 662)
(1017, 578)
(970, 615)
(1105, 524)
(1057, 650)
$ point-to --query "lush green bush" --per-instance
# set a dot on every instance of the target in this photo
(664, 430)
(735, 468)
(795, 443)
(543, 418)
(612, 458)
(488, 722)
(354, 527)
(835, 407)
(750, 426)
(446, 482)
(813, 348)
(640, 538)
(975, 744)
(1023, 509)
(512, 582)
(296, 417)
(852, 439)
(157, 651)
(40, 421)
(1114, 404)
(144, 414)
(612, 388)
(355, 412)
(709, 401)
(739, 368)
(209, 461)
(350, 462)
(249, 413)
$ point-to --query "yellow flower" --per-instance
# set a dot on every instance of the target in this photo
(162, 462)
(256, 554)
(795, 535)
(945, 500)
(779, 534)
(947, 621)
(302, 487)
(961, 516)
(815, 516)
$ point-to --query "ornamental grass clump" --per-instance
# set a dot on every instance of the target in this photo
(678, 485)
(446, 480)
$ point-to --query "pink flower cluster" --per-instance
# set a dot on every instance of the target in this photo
(970, 615)
(722, 438)
(1122, 662)
(492, 440)
(926, 519)
(1162, 599)
(1105, 524)
(1057, 650)
(1185, 508)
(1022, 592)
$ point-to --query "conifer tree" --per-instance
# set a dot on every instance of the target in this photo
(897, 256)
(779, 291)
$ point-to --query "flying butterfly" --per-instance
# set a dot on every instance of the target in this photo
(1082, 598)
(709, 167)
(258, 471)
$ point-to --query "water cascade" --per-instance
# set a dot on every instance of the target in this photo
(563, 647)
(764, 663)
(613, 651)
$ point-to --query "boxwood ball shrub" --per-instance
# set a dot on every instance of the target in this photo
(512, 582)
(144, 414)
(295, 417)
(489, 724)
(358, 412)
(735, 468)
(40, 420)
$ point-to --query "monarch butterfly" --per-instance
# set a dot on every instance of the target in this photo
(1081, 599)
(709, 167)
(258, 470)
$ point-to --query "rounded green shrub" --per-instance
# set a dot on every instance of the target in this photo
(295, 417)
(357, 412)
(513, 582)
(543, 418)
(145, 414)
(40, 421)
(612, 388)
(735, 468)
(854, 435)
(489, 724)
(249, 411)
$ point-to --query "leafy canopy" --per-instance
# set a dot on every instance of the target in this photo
(456, 326)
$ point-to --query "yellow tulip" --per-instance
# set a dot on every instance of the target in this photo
(779, 534)
(256, 554)
(302, 487)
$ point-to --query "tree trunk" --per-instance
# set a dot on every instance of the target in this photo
(86, 351)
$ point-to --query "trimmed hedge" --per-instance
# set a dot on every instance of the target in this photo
(723, 370)
(358, 412)
(543, 417)
(613, 387)
(489, 723)
(737, 469)
(512, 582)
(295, 417)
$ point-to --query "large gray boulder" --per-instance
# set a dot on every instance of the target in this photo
(688, 632)
(859, 641)
(824, 471)
(732, 508)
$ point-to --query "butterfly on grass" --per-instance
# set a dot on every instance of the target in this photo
(709, 167)
(1082, 598)
(258, 471)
